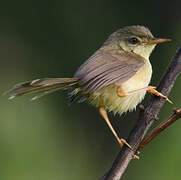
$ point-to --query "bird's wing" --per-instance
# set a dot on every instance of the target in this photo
(103, 69)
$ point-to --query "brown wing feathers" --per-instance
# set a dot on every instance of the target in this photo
(107, 70)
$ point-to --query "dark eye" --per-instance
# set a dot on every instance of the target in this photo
(133, 40)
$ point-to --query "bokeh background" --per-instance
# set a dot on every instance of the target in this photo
(48, 140)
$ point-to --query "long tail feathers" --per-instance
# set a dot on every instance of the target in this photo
(43, 86)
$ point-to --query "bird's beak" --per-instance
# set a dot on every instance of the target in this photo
(158, 41)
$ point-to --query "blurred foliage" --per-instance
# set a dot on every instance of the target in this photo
(46, 139)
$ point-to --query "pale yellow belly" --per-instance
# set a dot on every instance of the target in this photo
(108, 97)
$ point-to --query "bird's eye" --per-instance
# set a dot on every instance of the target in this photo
(133, 40)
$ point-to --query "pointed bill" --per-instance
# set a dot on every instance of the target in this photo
(158, 41)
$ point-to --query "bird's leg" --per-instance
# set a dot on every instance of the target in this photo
(150, 89)
(103, 113)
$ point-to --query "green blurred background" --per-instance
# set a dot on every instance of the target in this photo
(48, 140)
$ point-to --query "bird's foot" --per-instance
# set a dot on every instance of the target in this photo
(152, 90)
(122, 142)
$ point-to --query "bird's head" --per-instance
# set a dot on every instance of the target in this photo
(136, 39)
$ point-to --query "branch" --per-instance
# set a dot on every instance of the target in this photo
(145, 120)
(162, 126)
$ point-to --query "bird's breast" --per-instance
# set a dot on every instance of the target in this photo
(140, 79)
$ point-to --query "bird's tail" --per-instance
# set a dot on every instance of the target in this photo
(42, 86)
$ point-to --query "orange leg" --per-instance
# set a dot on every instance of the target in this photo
(150, 89)
(103, 113)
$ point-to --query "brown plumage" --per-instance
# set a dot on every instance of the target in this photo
(115, 78)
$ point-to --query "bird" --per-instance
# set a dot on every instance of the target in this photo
(114, 79)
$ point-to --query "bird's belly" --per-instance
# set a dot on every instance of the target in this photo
(108, 97)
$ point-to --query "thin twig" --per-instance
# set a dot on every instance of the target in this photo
(162, 126)
(146, 119)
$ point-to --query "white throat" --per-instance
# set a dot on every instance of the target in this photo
(144, 51)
